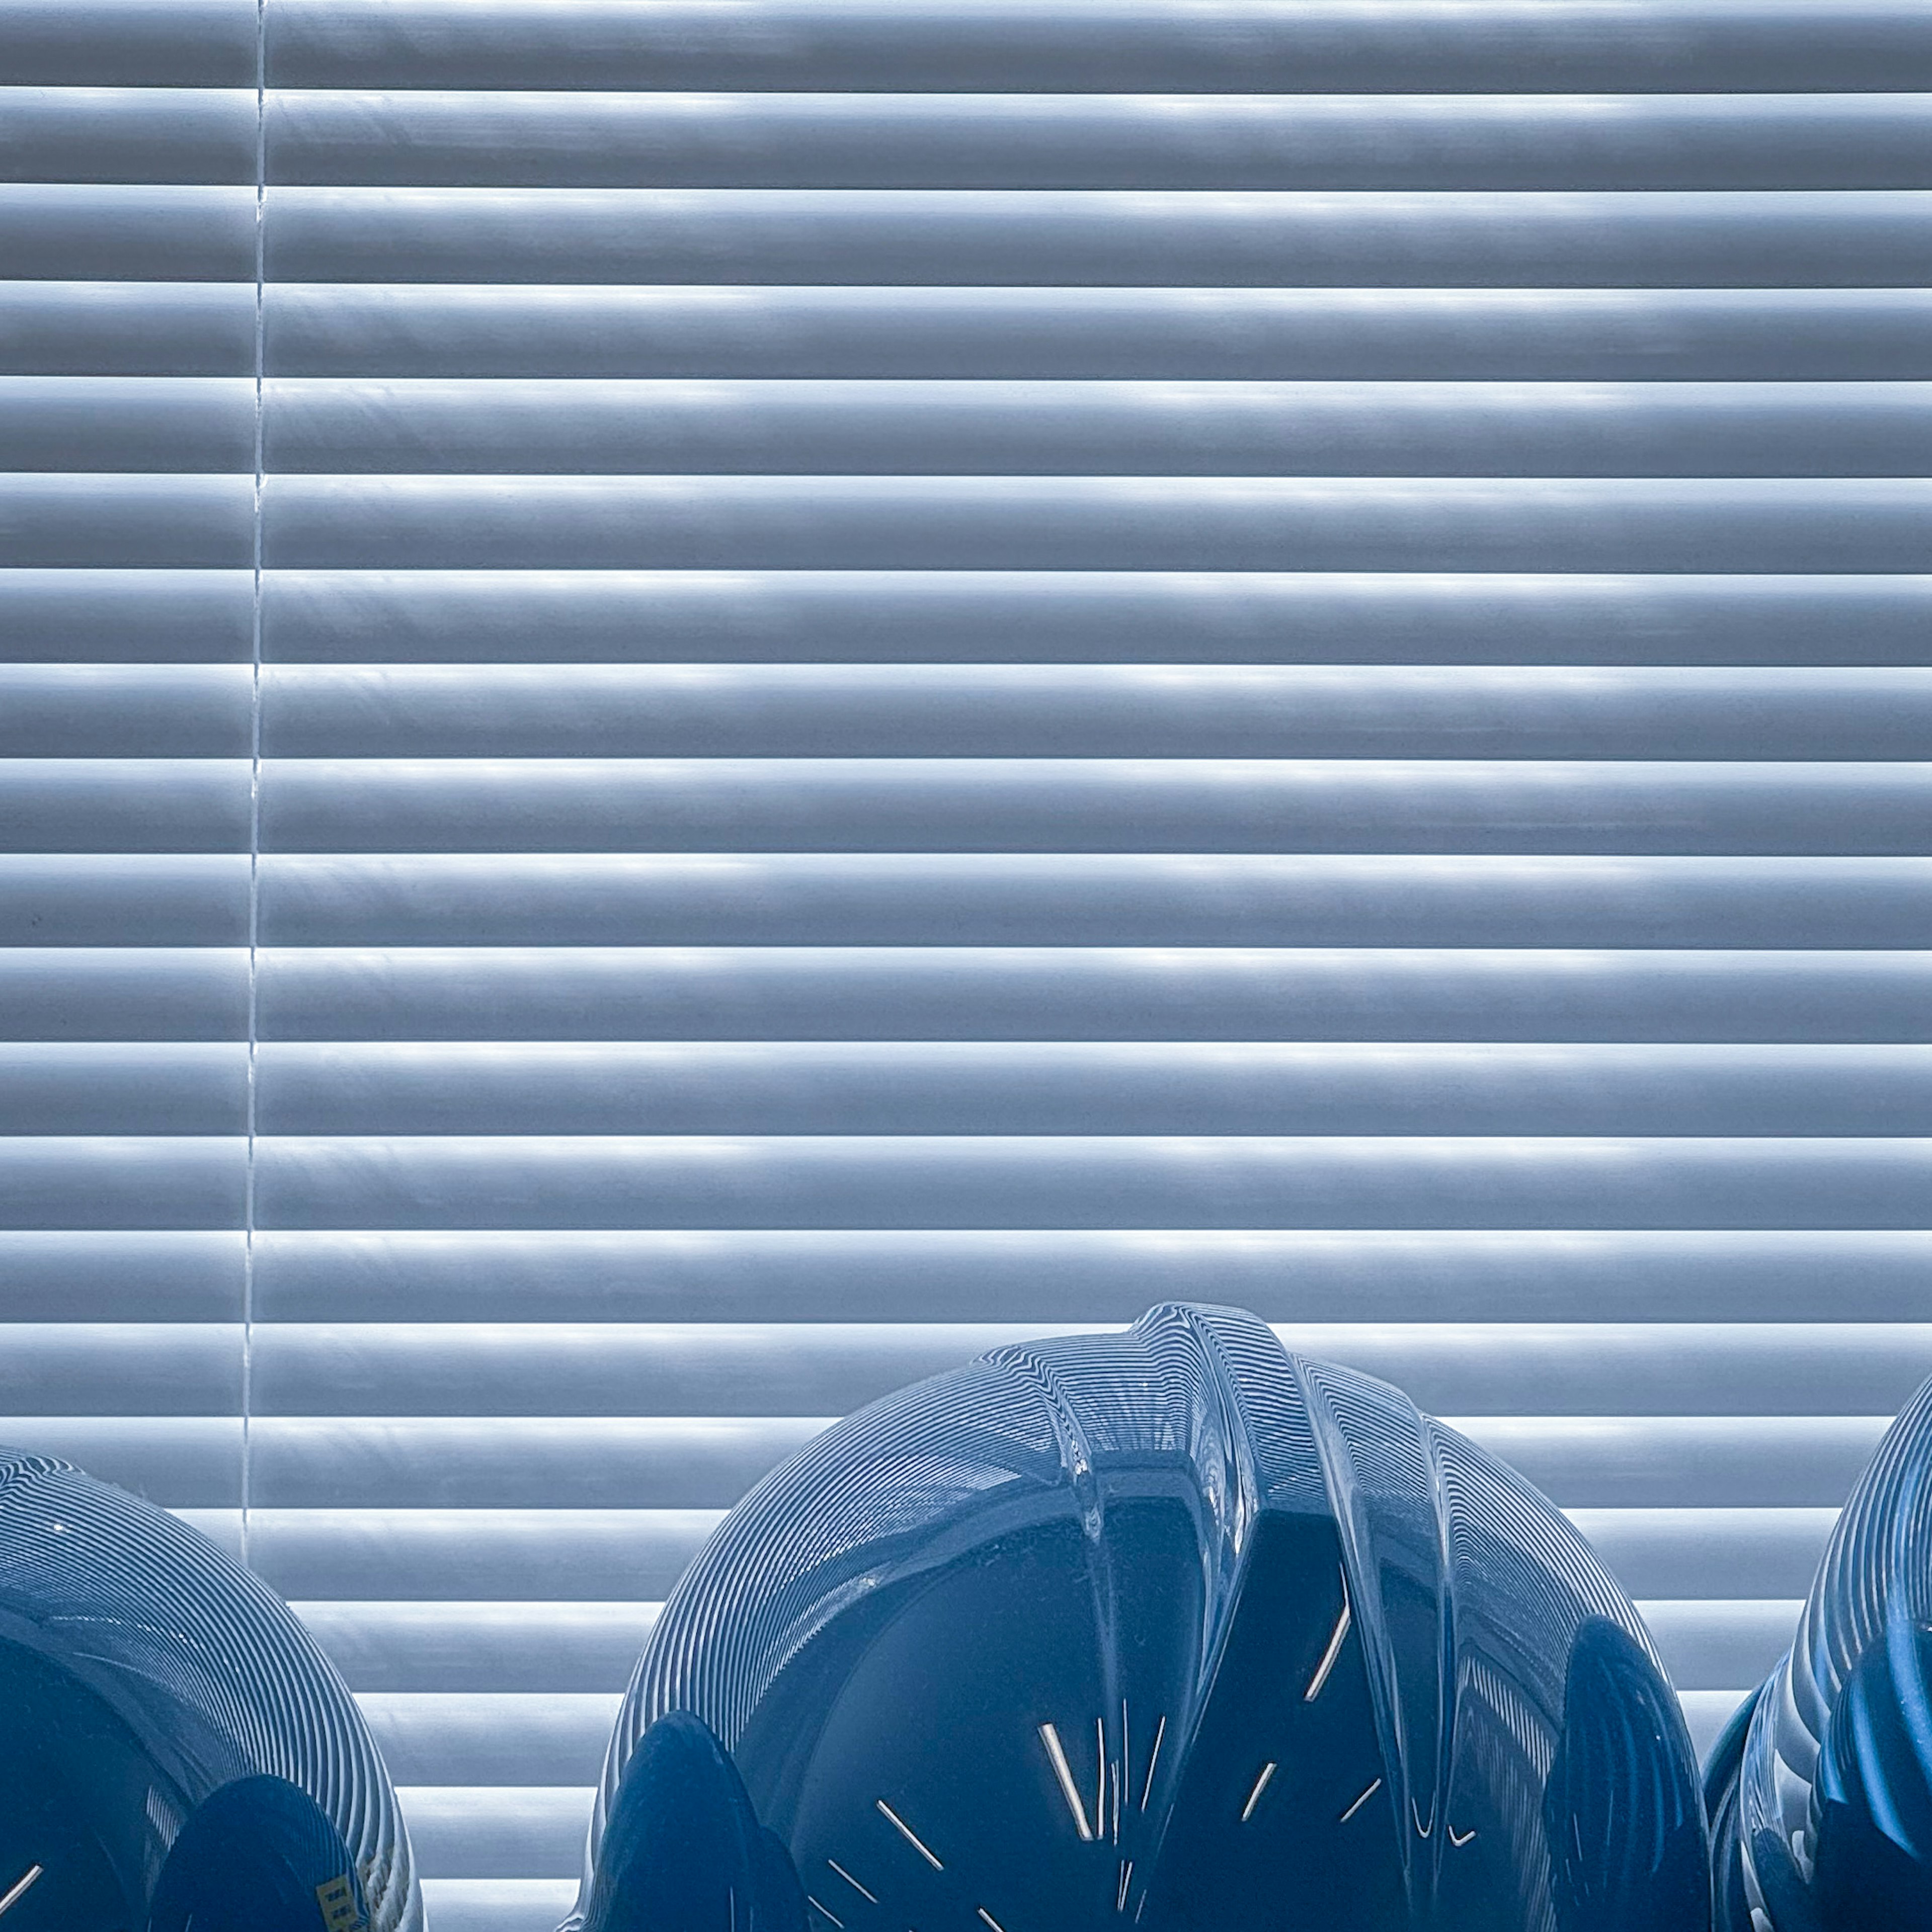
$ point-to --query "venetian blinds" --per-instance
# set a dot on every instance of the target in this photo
(708, 702)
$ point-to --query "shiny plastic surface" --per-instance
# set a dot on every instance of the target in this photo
(1174, 1629)
(174, 1739)
(1821, 1798)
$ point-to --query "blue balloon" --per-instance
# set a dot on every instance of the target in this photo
(175, 1744)
(1174, 1630)
(1821, 1789)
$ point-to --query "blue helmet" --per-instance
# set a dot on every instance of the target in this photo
(1170, 1630)
(1820, 1790)
(177, 1753)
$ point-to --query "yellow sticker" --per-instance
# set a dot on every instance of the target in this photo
(338, 1900)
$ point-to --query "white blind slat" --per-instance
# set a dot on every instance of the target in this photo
(420, 138)
(712, 522)
(480, 1645)
(852, 428)
(1100, 45)
(883, 1087)
(75, 993)
(200, 617)
(729, 897)
(1062, 1181)
(698, 330)
(1739, 1277)
(127, 231)
(784, 993)
(168, 899)
(942, 710)
(743, 615)
(148, 133)
(1427, 238)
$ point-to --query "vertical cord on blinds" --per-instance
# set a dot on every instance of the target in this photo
(254, 766)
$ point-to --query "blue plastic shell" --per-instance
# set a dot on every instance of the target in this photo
(1821, 1797)
(1172, 1629)
(148, 1673)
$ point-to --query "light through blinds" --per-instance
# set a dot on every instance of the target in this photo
(707, 703)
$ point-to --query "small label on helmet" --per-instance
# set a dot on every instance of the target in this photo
(337, 1897)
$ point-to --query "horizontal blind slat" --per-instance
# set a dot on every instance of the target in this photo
(125, 805)
(524, 1904)
(485, 1738)
(1037, 141)
(1518, 807)
(173, 1462)
(69, 232)
(421, 330)
(1047, 993)
(127, 521)
(743, 615)
(379, 1362)
(1021, 898)
(1714, 1553)
(942, 710)
(636, 1462)
(711, 522)
(80, 423)
(773, 1088)
(1079, 1277)
(148, 133)
(146, 1275)
(136, 1368)
(132, 43)
(111, 1181)
(124, 1088)
(1708, 1646)
(134, 993)
(1849, 238)
(1337, 44)
(469, 1646)
(829, 1181)
(124, 900)
(619, 1556)
(92, 711)
(132, 328)
(520, 1832)
(1787, 430)
(94, 616)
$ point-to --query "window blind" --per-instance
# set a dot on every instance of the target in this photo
(703, 704)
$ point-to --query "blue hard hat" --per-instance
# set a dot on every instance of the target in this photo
(258, 1856)
(174, 1742)
(683, 1850)
(1168, 1629)
(1820, 1790)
